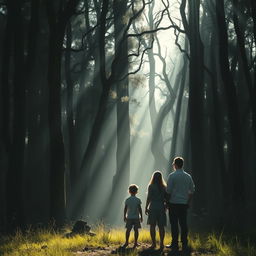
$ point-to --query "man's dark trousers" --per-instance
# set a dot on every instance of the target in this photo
(178, 216)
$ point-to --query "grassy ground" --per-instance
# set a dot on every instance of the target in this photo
(107, 241)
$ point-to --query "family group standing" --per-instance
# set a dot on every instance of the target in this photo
(175, 196)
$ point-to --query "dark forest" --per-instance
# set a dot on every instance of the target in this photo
(98, 94)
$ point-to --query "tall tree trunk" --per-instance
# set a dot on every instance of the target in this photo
(218, 114)
(253, 14)
(235, 160)
(73, 172)
(122, 175)
(34, 79)
(178, 108)
(196, 90)
(57, 156)
(16, 160)
(5, 104)
(239, 24)
(57, 25)
(5, 84)
(156, 144)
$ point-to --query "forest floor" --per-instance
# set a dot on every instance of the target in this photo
(107, 241)
(143, 250)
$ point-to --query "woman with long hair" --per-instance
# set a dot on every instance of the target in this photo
(156, 207)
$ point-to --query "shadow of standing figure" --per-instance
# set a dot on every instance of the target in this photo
(186, 252)
(151, 252)
(123, 250)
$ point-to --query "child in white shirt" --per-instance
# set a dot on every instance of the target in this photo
(132, 215)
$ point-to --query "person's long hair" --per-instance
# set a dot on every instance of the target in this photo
(157, 178)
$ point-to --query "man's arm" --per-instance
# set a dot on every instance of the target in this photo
(190, 195)
(169, 185)
(167, 200)
(191, 191)
(169, 190)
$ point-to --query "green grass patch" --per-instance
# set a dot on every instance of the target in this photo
(46, 242)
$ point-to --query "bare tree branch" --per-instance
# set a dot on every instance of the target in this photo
(161, 90)
(141, 60)
(170, 18)
(178, 45)
(151, 31)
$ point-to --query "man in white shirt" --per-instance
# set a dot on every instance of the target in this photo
(180, 188)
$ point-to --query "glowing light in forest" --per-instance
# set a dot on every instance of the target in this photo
(142, 162)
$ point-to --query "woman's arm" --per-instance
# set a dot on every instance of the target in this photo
(148, 200)
(146, 207)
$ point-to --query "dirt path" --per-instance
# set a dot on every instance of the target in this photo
(142, 250)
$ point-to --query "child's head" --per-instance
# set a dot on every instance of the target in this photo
(133, 189)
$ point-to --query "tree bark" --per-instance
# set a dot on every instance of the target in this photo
(122, 175)
(235, 160)
(253, 14)
(178, 108)
(196, 101)
(57, 26)
(15, 212)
